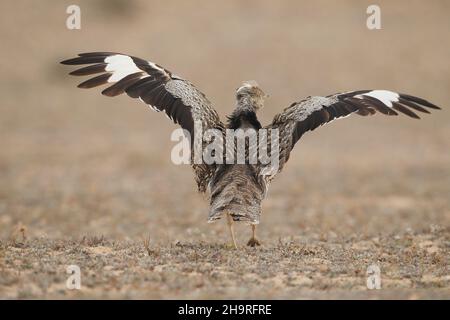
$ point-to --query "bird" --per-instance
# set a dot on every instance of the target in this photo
(235, 190)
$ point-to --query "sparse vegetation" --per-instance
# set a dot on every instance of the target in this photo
(287, 268)
(150, 252)
(93, 241)
(18, 235)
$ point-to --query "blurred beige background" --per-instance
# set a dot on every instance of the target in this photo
(74, 162)
(80, 172)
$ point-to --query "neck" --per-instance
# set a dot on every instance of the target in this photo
(246, 104)
(243, 117)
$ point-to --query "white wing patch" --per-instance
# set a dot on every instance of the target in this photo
(154, 66)
(120, 66)
(385, 96)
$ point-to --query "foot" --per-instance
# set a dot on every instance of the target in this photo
(253, 242)
(231, 246)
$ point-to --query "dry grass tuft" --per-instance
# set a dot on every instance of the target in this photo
(150, 252)
(93, 241)
(18, 235)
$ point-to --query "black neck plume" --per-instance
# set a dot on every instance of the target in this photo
(238, 117)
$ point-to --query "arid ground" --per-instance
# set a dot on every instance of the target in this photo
(87, 180)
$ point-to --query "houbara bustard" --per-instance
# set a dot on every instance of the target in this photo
(235, 190)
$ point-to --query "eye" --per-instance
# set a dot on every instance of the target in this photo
(239, 96)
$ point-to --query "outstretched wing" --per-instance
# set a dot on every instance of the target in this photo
(313, 112)
(155, 86)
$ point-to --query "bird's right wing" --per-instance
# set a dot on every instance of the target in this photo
(157, 87)
(307, 115)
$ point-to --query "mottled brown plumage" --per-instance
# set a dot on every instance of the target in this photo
(236, 189)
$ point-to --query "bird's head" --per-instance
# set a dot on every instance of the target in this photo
(250, 94)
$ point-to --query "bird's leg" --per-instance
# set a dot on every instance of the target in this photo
(230, 226)
(253, 241)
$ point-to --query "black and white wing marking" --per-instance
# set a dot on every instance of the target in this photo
(313, 112)
(181, 101)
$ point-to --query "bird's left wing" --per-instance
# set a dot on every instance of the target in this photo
(307, 115)
(157, 87)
